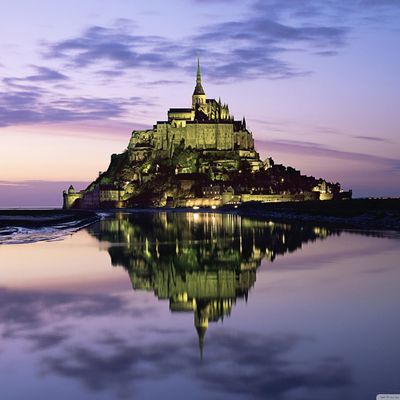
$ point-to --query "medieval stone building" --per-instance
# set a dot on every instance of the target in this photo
(207, 125)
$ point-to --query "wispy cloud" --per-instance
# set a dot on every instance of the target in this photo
(119, 45)
(28, 106)
(118, 365)
(247, 48)
(373, 138)
(46, 74)
(316, 149)
(22, 310)
(161, 82)
(43, 74)
(18, 184)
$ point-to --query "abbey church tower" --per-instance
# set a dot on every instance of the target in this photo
(199, 96)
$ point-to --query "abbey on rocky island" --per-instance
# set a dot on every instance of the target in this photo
(199, 157)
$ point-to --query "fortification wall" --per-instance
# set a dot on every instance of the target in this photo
(201, 136)
(210, 285)
(268, 198)
(200, 202)
(244, 140)
(205, 136)
(197, 136)
(70, 199)
(326, 196)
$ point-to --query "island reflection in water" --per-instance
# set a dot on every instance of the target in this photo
(314, 311)
(201, 262)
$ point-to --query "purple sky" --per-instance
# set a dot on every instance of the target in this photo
(318, 82)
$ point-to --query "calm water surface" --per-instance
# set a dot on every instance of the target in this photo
(200, 306)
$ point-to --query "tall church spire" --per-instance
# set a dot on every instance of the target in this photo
(198, 78)
(201, 315)
(201, 331)
(198, 90)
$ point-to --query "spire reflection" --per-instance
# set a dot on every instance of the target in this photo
(201, 262)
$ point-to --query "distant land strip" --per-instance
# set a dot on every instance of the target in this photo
(356, 213)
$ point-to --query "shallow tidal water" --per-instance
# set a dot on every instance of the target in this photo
(200, 306)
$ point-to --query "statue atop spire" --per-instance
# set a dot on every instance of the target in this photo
(199, 96)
